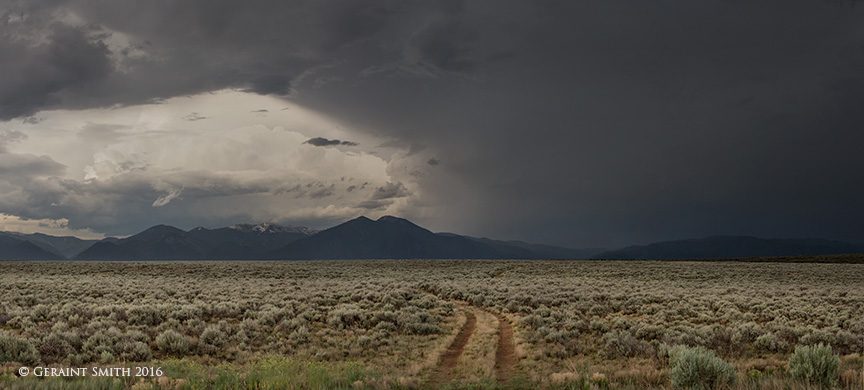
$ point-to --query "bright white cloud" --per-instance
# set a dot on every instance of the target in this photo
(207, 159)
(56, 227)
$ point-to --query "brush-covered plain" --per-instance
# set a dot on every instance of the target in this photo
(386, 324)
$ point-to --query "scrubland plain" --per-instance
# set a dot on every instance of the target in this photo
(396, 324)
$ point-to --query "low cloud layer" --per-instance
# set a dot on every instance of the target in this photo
(574, 123)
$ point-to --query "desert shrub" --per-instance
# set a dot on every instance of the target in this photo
(40, 313)
(699, 368)
(599, 310)
(300, 334)
(816, 365)
(366, 341)
(214, 336)
(717, 338)
(76, 320)
(102, 341)
(226, 310)
(747, 333)
(768, 342)
(173, 343)
(814, 337)
(250, 327)
(345, 317)
(415, 321)
(422, 328)
(622, 343)
(557, 336)
(543, 311)
(54, 348)
(106, 357)
(426, 302)
(290, 325)
(134, 351)
(649, 332)
(384, 316)
(846, 342)
(22, 323)
(134, 335)
(145, 315)
(187, 312)
(599, 326)
(622, 323)
(385, 326)
(14, 349)
(533, 321)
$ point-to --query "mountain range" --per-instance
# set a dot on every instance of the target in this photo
(732, 247)
(362, 238)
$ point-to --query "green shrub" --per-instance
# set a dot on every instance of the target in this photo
(815, 365)
(14, 349)
(173, 343)
(699, 368)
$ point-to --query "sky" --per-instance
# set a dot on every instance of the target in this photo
(573, 123)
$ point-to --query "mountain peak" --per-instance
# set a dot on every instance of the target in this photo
(161, 229)
(390, 237)
(389, 219)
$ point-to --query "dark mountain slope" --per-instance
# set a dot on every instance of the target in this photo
(159, 242)
(730, 247)
(546, 251)
(64, 246)
(238, 242)
(12, 248)
(391, 238)
(247, 241)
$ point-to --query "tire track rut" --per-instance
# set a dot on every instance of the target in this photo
(505, 356)
(451, 357)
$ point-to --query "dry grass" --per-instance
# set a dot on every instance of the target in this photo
(477, 363)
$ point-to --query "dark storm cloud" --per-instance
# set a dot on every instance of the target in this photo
(32, 120)
(667, 120)
(322, 192)
(390, 191)
(321, 141)
(570, 122)
(36, 74)
(192, 117)
(20, 168)
(25, 165)
(374, 204)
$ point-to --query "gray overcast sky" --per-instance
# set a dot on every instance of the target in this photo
(577, 123)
